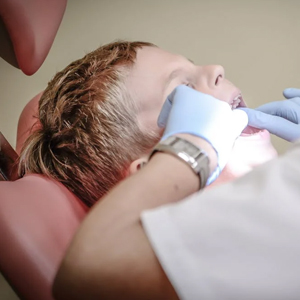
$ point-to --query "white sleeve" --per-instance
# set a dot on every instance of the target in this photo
(237, 241)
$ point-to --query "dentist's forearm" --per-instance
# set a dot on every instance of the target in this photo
(111, 250)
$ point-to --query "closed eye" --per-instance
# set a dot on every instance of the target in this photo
(190, 85)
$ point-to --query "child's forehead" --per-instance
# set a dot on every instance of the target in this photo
(150, 55)
(157, 63)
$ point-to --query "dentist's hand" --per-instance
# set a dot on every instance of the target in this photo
(189, 111)
(281, 118)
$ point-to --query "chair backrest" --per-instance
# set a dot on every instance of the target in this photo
(27, 31)
(38, 218)
(28, 121)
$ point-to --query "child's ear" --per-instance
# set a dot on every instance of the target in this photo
(137, 165)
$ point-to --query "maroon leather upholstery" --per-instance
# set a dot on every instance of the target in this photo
(38, 218)
(28, 121)
(31, 26)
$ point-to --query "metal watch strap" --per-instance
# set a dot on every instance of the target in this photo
(191, 154)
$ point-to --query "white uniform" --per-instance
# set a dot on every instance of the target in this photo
(237, 241)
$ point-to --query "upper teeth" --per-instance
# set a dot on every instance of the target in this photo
(235, 102)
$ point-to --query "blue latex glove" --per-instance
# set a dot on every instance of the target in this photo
(281, 118)
(189, 111)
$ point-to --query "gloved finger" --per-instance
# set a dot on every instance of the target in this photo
(164, 113)
(236, 121)
(295, 100)
(274, 124)
(240, 121)
(286, 109)
(291, 93)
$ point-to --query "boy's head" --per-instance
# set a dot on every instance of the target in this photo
(89, 132)
(98, 116)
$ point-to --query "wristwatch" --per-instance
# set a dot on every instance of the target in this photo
(194, 156)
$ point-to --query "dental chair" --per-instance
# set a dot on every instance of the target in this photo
(38, 216)
(27, 31)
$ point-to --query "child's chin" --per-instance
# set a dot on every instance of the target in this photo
(248, 153)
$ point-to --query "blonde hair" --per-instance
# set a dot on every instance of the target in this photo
(89, 132)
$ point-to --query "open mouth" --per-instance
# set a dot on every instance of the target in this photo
(237, 102)
(249, 130)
